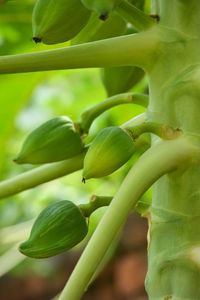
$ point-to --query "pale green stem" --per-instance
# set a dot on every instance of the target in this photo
(136, 49)
(40, 175)
(163, 131)
(95, 203)
(135, 16)
(16, 233)
(10, 259)
(91, 114)
(157, 161)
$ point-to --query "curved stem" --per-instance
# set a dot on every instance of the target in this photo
(163, 131)
(91, 114)
(135, 16)
(40, 175)
(135, 49)
(157, 161)
(95, 203)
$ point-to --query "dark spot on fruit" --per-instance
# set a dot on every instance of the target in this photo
(37, 40)
(103, 17)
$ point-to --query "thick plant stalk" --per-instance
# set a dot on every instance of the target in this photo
(157, 161)
(174, 235)
(136, 49)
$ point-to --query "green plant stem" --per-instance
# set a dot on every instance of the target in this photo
(95, 203)
(157, 161)
(91, 114)
(163, 131)
(137, 49)
(40, 175)
(135, 16)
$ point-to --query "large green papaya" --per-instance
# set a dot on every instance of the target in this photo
(57, 21)
(111, 148)
(58, 228)
(55, 140)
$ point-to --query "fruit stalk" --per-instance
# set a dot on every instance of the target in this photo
(94, 203)
(91, 114)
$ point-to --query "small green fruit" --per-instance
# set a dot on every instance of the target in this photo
(118, 80)
(57, 21)
(111, 148)
(55, 140)
(58, 228)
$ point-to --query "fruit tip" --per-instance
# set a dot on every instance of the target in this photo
(103, 17)
(37, 40)
(83, 180)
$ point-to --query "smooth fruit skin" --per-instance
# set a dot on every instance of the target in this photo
(57, 21)
(58, 228)
(101, 7)
(55, 140)
(117, 80)
(111, 148)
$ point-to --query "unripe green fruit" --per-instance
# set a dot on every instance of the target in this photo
(58, 228)
(101, 7)
(57, 21)
(118, 80)
(111, 148)
(55, 140)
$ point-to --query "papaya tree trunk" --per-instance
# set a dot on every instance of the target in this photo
(174, 233)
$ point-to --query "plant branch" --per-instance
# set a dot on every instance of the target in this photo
(91, 114)
(157, 161)
(135, 16)
(94, 203)
(40, 175)
(163, 131)
(136, 49)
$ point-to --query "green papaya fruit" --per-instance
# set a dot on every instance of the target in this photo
(101, 7)
(58, 228)
(55, 140)
(118, 80)
(111, 148)
(98, 30)
(57, 21)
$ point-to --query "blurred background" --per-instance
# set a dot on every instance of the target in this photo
(26, 101)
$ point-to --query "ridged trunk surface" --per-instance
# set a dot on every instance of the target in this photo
(174, 234)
